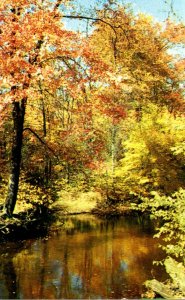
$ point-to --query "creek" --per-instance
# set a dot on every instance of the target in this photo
(87, 258)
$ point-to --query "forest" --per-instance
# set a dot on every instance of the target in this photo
(96, 114)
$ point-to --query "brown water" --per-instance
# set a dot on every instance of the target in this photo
(87, 258)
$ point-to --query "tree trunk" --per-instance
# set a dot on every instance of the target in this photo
(47, 168)
(18, 113)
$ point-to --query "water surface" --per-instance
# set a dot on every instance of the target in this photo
(89, 258)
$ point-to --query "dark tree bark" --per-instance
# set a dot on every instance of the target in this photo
(18, 113)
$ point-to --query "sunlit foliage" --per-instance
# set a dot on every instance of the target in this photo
(104, 111)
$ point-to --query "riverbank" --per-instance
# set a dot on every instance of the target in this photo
(25, 224)
(30, 220)
(78, 202)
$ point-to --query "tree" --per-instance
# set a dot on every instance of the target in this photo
(144, 73)
(39, 57)
(149, 163)
(31, 38)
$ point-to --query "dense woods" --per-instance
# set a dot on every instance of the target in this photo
(98, 112)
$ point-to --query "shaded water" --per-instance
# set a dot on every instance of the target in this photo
(87, 258)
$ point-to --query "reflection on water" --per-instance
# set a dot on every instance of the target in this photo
(89, 258)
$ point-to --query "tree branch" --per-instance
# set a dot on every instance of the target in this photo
(40, 140)
(80, 17)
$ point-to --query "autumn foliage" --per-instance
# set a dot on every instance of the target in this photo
(102, 111)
